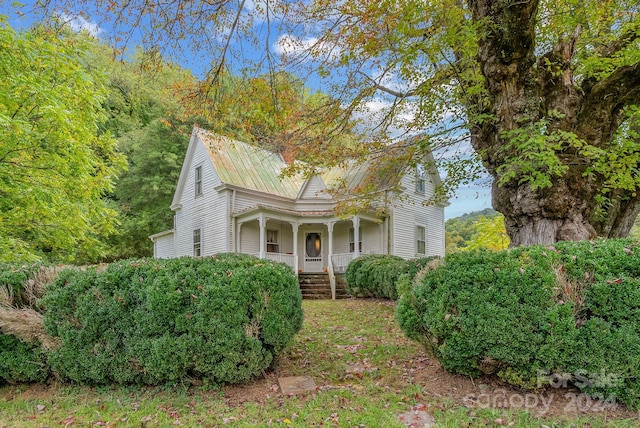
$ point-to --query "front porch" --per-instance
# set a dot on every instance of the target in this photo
(339, 262)
(309, 242)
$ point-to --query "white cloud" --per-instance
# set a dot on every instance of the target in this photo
(374, 112)
(292, 45)
(78, 23)
(309, 48)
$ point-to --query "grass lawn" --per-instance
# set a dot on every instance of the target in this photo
(367, 374)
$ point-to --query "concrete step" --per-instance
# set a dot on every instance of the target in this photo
(318, 286)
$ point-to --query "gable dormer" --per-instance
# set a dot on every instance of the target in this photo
(314, 188)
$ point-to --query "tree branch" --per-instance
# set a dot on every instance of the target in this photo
(218, 70)
(625, 39)
(604, 101)
(389, 91)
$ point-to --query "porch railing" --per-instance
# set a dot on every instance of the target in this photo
(341, 261)
(289, 259)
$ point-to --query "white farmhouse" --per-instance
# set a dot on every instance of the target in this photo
(231, 198)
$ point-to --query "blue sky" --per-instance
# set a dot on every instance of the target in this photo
(279, 44)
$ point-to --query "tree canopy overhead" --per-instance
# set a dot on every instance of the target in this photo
(546, 93)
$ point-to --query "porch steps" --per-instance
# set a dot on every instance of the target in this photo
(317, 286)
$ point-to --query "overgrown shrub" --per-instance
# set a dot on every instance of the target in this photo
(376, 275)
(13, 279)
(21, 359)
(222, 319)
(414, 266)
(570, 312)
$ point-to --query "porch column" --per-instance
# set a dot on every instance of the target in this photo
(381, 226)
(238, 239)
(356, 236)
(330, 230)
(296, 261)
(263, 222)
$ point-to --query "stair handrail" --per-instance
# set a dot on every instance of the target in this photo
(332, 278)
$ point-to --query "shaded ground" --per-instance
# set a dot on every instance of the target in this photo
(360, 362)
(435, 383)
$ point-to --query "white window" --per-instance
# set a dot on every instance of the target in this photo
(197, 243)
(352, 240)
(198, 180)
(420, 178)
(273, 244)
(421, 245)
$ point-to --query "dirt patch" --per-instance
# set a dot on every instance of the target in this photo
(437, 384)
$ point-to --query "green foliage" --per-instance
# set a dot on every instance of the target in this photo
(21, 362)
(13, 278)
(476, 230)
(144, 193)
(54, 167)
(572, 310)
(224, 319)
(533, 155)
(376, 275)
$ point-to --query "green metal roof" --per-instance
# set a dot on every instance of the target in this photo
(381, 173)
(250, 167)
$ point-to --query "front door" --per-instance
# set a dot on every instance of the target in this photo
(313, 252)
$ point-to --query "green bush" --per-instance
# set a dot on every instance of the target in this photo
(14, 277)
(20, 285)
(222, 319)
(532, 314)
(20, 361)
(376, 275)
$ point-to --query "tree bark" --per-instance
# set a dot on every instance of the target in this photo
(522, 90)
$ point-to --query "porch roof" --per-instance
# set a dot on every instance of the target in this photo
(295, 213)
(324, 214)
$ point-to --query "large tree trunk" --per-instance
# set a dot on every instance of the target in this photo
(543, 217)
(522, 90)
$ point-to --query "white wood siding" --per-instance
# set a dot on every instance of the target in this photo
(435, 231)
(207, 212)
(163, 247)
(243, 202)
(371, 236)
(411, 212)
(341, 238)
(250, 237)
(315, 189)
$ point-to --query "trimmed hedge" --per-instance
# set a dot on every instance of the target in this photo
(533, 314)
(376, 275)
(223, 319)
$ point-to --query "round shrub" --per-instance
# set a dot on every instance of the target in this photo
(223, 319)
(374, 275)
(536, 315)
(377, 275)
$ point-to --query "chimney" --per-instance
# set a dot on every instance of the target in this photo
(288, 154)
